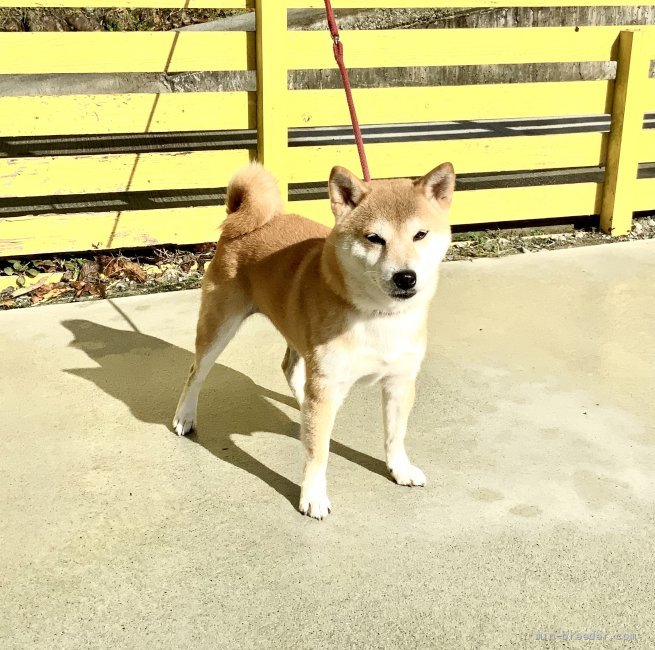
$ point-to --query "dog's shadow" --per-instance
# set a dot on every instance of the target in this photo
(147, 374)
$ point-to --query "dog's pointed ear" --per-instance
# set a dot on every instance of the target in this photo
(346, 192)
(438, 185)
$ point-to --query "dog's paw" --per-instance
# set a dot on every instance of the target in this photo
(407, 474)
(315, 503)
(184, 422)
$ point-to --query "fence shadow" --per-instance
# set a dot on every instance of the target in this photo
(146, 374)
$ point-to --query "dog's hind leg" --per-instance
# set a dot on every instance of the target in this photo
(293, 366)
(222, 310)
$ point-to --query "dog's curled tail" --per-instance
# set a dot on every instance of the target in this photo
(253, 198)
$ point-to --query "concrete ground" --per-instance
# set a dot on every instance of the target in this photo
(535, 424)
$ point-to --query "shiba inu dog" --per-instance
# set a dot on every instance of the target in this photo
(351, 302)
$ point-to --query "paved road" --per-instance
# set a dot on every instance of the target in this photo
(534, 424)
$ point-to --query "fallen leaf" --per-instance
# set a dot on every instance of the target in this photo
(87, 288)
(133, 271)
(121, 267)
(89, 271)
(23, 289)
(110, 266)
(48, 292)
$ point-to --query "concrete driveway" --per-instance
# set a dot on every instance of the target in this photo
(535, 425)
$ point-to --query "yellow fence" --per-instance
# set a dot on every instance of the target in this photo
(274, 111)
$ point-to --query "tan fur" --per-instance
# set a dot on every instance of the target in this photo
(253, 199)
(341, 325)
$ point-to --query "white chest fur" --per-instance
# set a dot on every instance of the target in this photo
(377, 347)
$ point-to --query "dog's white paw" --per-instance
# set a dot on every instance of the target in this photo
(314, 502)
(183, 422)
(407, 474)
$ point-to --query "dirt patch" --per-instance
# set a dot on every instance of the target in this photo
(499, 243)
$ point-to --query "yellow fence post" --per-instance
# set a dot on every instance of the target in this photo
(272, 89)
(625, 135)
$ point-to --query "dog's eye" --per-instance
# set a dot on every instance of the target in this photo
(420, 235)
(375, 239)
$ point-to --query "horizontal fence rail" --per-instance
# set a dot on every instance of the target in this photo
(421, 104)
(125, 113)
(412, 47)
(116, 170)
(38, 53)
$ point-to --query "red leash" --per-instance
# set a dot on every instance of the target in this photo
(338, 57)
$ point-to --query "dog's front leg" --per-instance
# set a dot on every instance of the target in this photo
(398, 399)
(319, 409)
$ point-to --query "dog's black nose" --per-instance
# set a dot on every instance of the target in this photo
(404, 279)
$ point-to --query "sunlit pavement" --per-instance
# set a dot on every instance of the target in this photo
(534, 423)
